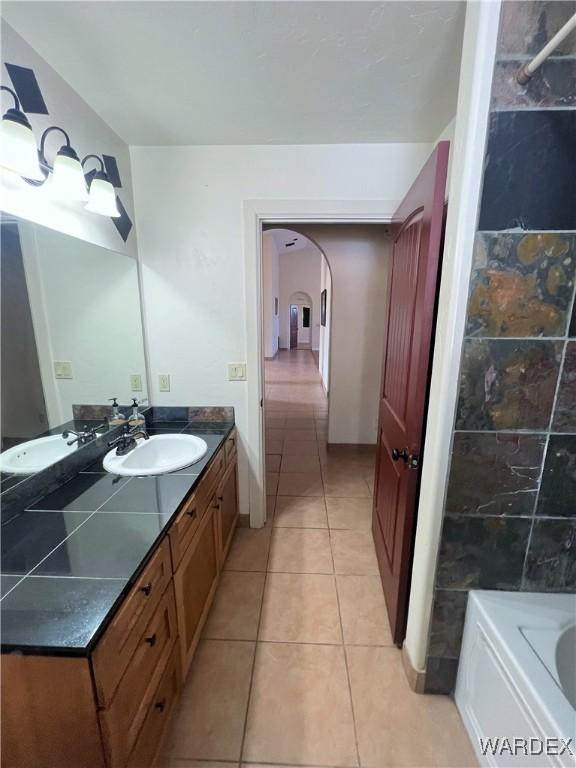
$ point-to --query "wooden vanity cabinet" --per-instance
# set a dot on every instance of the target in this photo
(111, 710)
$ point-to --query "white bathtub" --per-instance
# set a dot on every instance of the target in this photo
(517, 678)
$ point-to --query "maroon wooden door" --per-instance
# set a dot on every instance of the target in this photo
(293, 326)
(417, 232)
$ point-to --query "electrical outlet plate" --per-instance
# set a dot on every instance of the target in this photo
(164, 382)
(236, 371)
(63, 369)
(136, 382)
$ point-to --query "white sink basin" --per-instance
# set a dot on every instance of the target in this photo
(157, 455)
(34, 455)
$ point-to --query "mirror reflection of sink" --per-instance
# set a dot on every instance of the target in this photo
(157, 455)
(34, 455)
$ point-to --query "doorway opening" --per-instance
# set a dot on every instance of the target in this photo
(329, 458)
(301, 321)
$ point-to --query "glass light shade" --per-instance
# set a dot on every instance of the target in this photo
(67, 181)
(18, 152)
(102, 197)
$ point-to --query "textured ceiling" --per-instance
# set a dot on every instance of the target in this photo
(255, 72)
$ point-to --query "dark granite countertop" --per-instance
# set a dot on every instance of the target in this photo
(69, 558)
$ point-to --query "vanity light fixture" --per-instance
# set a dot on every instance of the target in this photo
(67, 181)
(102, 197)
(18, 151)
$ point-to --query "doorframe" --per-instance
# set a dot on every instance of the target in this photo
(465, 173)
(465, 178)
(256, 214)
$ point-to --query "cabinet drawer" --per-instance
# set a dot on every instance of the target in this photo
(122, 721)
(194, 584)
(211, 478)
(186, 524)
(114, 651)
(157, 715)
(230, 448)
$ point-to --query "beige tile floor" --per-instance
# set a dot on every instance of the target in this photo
(296, 666)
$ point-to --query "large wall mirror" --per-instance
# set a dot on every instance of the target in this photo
(71, 335)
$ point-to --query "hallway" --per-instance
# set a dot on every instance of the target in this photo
(296, 666)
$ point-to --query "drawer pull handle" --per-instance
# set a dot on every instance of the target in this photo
(151, 640)
(147, 588)
(160, 705)
(220, 498)
(191, 512)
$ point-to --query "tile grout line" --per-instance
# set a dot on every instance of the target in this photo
(252, 671)
(259, 642)
(390, 646)
(534, 515)
(354, 724)
(90, 515)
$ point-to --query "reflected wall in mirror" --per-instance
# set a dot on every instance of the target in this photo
(71, 334)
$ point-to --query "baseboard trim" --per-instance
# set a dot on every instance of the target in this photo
(243, 521)
(416, 678)
(274, 356)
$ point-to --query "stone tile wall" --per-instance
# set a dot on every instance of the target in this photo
(510, 510)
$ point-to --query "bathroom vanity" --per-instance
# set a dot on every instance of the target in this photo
(99, 633)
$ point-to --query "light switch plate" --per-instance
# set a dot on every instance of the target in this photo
(236, 371)
(63, 369)
(136, 382)
(164, 382)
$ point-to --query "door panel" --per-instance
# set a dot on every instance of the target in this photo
(401, 313)
(417, 236)
(293, 326)
(304, 329)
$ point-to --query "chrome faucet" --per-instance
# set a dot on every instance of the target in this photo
(83, 437)
(126, 442)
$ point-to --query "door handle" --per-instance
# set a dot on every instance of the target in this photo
(403, 454)
(411, 459)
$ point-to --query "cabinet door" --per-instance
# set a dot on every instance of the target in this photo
(157, 717)
(195, 582)
(228, 508)
(116, 648)
(122, 720)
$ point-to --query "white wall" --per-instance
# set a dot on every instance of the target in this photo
(270, 292)
(190, 223)
(88, 134)
(300, 272)
(324, 348)
(358, 258)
